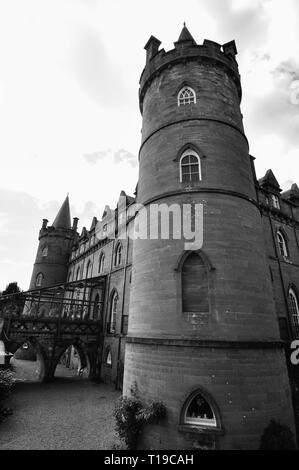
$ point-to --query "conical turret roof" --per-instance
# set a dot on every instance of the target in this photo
(63, 218)
(185, 35)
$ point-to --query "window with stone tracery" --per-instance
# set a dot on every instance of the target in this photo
(186, 96)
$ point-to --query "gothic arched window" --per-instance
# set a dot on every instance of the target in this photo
(88, 269)
(108, 359)
(101, 262)
(198, 411)
(113, 313)
(186, 96)
(294, 306)
(45, 251)
(39, 280)
(78, 274)
(118, 254)
(96, 307)
(282, 244)
(194, 285)
(190, 171)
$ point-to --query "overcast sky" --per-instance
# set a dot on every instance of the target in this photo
(69, 116)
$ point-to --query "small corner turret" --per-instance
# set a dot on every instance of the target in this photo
(55, 242)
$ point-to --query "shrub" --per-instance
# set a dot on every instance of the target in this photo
(277, 436)
(131, 414)
(6, 383)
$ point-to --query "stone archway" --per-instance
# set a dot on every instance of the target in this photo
(39, 353)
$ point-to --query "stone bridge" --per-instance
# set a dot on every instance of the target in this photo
(55, 318)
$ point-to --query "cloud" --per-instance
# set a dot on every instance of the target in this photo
(117, 156)
(94, 157)
(95, 73)
(244, 21)
(123, 156)
(274, 112)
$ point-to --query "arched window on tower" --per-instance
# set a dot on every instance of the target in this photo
(113, 312)
(190, 170)
(194, 285)
(78, 273)
(39, 280)
(199, 411)
(186, 96)
(45, 251)
(118, 254)
(282, 244)
(101, 262)
(294, 307)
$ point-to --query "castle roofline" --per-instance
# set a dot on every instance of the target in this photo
(185, 50)
(185, 36)
(63, 218)
(269, 181)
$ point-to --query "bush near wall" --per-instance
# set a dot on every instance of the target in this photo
(131, 414)
(277, 436)
(6, 384)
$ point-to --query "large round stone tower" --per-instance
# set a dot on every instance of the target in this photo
(51, 263)
(203, 334)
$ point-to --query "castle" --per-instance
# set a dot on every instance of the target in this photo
(206, 331)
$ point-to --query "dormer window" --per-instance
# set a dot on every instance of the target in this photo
(186, 96)
(275, 201)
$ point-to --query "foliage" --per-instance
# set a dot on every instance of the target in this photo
(6, 383)
(131, 414)
(12, 288)
(13, 304)
(277, 436)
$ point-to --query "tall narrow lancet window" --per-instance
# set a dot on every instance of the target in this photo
(294, 306)
(194, 285)
(101, 262)
(113, 312)
(96, 308)
(108, 360)
(282, 244)
(78, 274)
(186, 96)
(88, 269)
(118, 255)
(190, 171)
(39, 280)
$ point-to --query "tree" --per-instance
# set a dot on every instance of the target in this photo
(13, 304)
(12, 288)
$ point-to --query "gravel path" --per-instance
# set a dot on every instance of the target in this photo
(70, 413)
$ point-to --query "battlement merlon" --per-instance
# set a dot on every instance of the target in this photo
(187, 50)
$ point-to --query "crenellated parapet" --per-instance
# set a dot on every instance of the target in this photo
(186, 50)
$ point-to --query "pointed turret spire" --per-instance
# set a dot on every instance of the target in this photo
(63, 218)
(186, 35)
